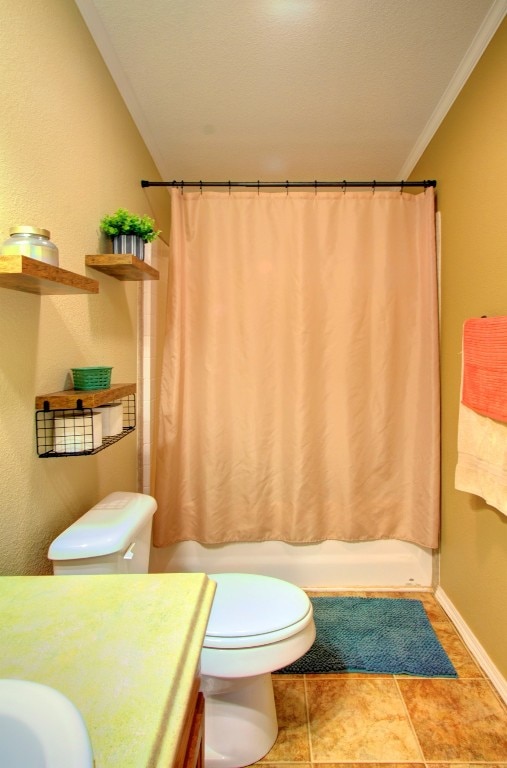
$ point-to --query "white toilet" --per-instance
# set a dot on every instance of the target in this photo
(257, 625)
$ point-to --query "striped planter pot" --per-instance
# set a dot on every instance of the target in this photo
(129, 244)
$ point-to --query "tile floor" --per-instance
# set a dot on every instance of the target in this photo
(388, 721)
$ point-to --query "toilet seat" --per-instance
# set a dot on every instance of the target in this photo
(251, 610)
(257, 625)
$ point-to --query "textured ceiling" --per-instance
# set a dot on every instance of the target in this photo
(289, 89)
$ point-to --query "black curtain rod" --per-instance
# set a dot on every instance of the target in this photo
(287, 184)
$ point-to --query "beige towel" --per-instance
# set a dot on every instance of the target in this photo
(482, 458)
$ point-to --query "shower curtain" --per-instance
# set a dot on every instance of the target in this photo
(299, 398)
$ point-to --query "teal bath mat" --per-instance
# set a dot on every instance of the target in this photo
(378, 635)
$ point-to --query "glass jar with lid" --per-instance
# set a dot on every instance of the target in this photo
(32, 242)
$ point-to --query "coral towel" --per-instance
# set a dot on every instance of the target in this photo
(484, 387)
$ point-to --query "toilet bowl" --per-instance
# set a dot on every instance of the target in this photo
(257, 625)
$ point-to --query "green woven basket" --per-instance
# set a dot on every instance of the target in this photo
(98, 377)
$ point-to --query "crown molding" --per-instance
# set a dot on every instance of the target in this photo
(101, 39)
(479, 44)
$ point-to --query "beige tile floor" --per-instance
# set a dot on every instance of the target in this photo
(371, 721)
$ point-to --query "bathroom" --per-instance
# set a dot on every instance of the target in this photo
(71, 152)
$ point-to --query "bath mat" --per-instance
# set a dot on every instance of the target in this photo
(377, 635)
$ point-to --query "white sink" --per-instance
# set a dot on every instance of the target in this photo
(41, 728)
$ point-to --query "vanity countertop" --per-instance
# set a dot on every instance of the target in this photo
(124, 648)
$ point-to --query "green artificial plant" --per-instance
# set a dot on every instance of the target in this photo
(124, 223)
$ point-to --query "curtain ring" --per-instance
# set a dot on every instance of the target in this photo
(315, 187)
(200, 186)
(258, 187)
(401, 187)
(373, 185)
(287, 187)
(229, 187)
(344, 186)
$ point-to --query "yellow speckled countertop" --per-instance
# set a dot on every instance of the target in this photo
(124, 648)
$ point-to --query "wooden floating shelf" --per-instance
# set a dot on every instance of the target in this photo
(87, 398)
(123, 266)
(22, 273)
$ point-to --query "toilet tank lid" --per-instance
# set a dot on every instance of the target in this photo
(110, 526)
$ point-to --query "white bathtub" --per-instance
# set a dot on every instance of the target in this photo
(330, 564)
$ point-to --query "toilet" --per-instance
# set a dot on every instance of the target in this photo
(258, 624)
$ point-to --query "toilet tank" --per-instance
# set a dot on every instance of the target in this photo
(114, 536)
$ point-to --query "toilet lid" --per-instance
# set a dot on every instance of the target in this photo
(246, 605)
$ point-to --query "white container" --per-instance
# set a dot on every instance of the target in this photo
(75, 433)
(112, 419)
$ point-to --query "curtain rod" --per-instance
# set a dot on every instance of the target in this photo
(287, 184)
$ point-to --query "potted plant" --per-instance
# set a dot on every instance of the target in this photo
(129, 232)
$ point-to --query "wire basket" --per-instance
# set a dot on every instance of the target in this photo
(98, 377)
(75, 431)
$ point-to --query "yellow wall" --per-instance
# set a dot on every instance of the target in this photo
(69, 153)
(468, 157)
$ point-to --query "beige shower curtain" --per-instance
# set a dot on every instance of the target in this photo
(300, 395)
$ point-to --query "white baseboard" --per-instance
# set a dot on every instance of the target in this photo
(473, 645)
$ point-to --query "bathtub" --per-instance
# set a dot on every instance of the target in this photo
(327, 565)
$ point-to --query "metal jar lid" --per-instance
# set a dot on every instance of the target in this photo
(25, 230)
